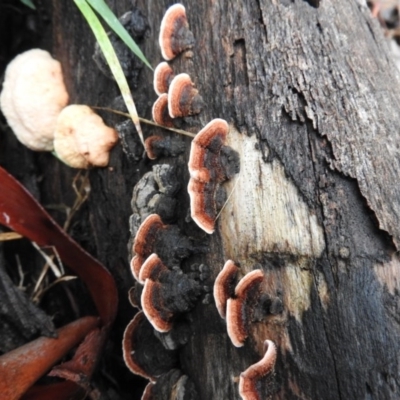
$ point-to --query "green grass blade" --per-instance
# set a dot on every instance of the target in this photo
(102, 8)
(112, 60)
(29, 4)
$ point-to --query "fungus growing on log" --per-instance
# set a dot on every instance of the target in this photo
(240, 310)
(157, 146)
(249, 381)
(32, 98)
(183, 97)
(172, 294)
(160, 113)
(148, 392)
(163, 75)
(156, 312)
(81, 139)
(151, 269)
(208, 171)
(143, 353)
(175, 36)
(165, 240)
(144, 242)
(173, 386)
(224, 286)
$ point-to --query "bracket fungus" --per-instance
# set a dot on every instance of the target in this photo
(224, 286)
(206, 172)
(163, 75)
(158, 146)
(183, 97)
(33, 96)
(249, 381)
(151, 269)
(173, 293)
(175, 36)
(160, 112)
(173, 385)
(240, 310)
(164, 240)
(143, 353)
(144, 242)
(81, 139)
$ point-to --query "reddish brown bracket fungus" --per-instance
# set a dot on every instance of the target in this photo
(154, 309)
(175, 35)
(173, 385)
(202, 204)
(204, 161)
(183, 97)
(165, 240)
(157, 146)
(224, 286)
(144, 242)
(172, 294)
(143, 353)
(206, 172)
(149, 146)
(128, 347)
(160, 112)
(33, 96)
(163, 75)
(240, 310)
(151, 269)
(148, 392)
(249, 388)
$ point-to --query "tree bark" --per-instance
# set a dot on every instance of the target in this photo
(311, 96)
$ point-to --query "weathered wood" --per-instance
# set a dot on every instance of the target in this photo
(311, 96)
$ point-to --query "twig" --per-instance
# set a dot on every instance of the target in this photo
(82, 194)
(20, 273)
(49, 260)
(146, 121)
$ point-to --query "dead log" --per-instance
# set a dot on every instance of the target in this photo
(311, 96)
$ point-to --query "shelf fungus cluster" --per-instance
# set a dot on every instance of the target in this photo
(178, 96)
(34, 101)
(237, 304)
(237, 301)
(210, 164)
(164, 293)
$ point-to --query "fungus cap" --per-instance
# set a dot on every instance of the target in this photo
(146, 236)
(239, 311)
(128, 347)
(148, 392)
(205, 150)
(163, 75)
(175, 35)
(248, 389)
(33, 96)
(81, 138)
(160, 111)
(151, 268)
(202, 205)
(224, 286)
(153, 307)
(149, 146)
(183, 97)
